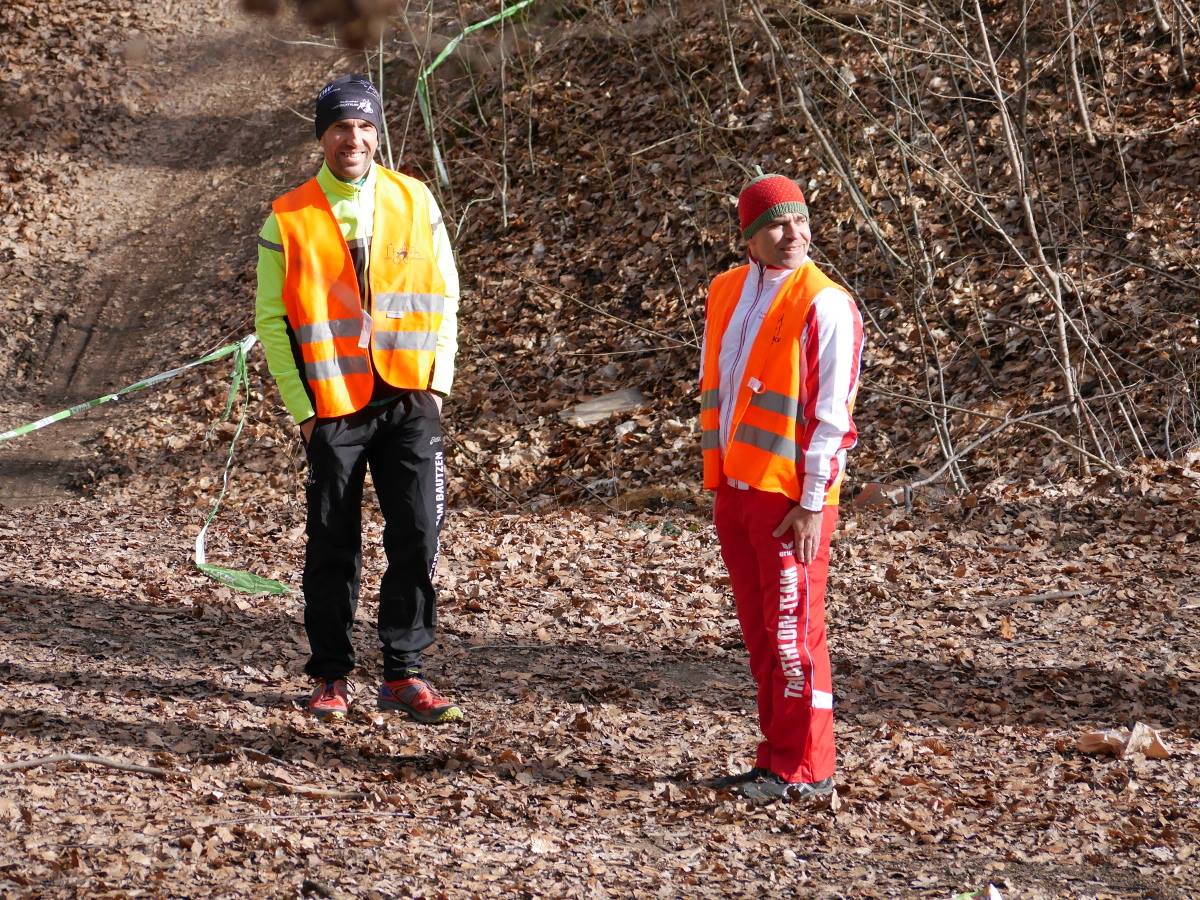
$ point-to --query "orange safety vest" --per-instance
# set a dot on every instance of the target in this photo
(766, 447)
(339, 340)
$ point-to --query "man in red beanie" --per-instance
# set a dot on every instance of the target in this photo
(779, 373)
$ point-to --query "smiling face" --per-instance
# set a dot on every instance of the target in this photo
(349, 145)
(782, 243)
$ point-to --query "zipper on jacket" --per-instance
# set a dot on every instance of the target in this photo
(750, 314)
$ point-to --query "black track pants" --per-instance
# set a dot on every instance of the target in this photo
(402, 443)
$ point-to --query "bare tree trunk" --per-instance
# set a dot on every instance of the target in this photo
(1183, 69)
(503, 130)
(1159, 18)
(1073, 60)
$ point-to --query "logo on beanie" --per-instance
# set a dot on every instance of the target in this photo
(360, 105)
(348, 97)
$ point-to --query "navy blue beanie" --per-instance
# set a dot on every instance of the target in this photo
(348, 97)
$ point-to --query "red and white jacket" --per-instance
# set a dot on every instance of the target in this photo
(818, 430)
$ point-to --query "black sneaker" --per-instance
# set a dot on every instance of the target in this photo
(726, 782)
(771, 787)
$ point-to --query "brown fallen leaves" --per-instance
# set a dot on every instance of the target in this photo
(600, 667)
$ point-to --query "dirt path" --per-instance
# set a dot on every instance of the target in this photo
(161, 223)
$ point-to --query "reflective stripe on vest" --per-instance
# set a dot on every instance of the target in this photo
(773, 401)
(392, 304)
(323, 298)
(406, 340)
(765, 449)
(327, 331)
(336, 368)
(766, 440)
(710, 411)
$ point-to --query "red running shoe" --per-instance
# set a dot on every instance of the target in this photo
(329, 699)
(417, 698)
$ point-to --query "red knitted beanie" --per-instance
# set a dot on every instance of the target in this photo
(767, 198)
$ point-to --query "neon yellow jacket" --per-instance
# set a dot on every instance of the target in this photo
(353, 208)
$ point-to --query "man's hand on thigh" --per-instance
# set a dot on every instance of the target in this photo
(806, 526)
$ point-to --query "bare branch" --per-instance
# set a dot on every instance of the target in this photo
(85, 759)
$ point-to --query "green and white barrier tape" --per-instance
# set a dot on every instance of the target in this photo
(423, 81)
(136, 386)
(234, 578)
(237, 579)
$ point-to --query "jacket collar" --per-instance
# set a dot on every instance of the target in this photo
(348, 190)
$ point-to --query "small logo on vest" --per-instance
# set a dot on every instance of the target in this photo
(397, 253)
(776, 337)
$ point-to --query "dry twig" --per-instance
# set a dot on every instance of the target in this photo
(300, 790)
(87, 760)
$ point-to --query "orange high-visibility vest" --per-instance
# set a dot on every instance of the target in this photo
(767, 431)
(341, 342)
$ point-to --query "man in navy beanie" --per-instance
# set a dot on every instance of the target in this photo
(357, 312)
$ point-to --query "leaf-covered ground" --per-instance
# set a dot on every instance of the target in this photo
(596, 657)
(587, 626)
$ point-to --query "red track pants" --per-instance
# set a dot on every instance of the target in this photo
(781, 608)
